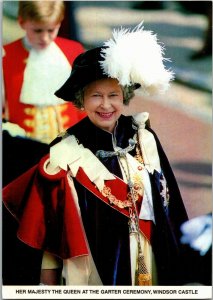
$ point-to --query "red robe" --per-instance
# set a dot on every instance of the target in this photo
(14, 63)
(55, 225)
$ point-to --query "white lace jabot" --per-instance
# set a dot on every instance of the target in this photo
(46, 70)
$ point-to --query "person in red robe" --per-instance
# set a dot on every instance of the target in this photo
(33, 67)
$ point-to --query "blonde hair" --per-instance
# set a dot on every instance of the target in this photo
(42, 11)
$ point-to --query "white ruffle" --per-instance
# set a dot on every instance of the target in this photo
(46, 70)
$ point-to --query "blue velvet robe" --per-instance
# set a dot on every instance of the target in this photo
(107, 230)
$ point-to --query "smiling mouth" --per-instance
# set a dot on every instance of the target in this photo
(105, 115)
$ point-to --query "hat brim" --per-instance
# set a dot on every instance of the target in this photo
(86, 69)
(78, 80)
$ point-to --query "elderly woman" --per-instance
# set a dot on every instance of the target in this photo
(104, 207)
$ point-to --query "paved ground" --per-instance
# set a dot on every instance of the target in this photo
(183, 117)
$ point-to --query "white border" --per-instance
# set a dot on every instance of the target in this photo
(106, 292)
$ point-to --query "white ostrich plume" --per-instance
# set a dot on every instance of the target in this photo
(136, 57)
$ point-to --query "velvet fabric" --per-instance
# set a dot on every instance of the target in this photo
(165, 240)
(106, 229)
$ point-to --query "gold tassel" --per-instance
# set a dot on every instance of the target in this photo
(144, 279)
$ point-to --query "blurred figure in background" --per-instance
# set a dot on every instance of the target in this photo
(197, 241)
(32, 67)
(206, 49)
(196, 7)
(69, 27)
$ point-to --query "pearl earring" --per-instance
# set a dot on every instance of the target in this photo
(82, 108)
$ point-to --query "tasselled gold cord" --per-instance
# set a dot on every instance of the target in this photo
(143, 277)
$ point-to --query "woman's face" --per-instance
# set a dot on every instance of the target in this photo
(103, 103)
(40, 35)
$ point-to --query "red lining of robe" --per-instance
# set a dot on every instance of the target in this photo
(55, 225)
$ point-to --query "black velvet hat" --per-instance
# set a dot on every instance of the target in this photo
(133, 57)
(86, 68)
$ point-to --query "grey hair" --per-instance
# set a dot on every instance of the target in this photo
(128, 94)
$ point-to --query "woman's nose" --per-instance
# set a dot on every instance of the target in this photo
(105, 103)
